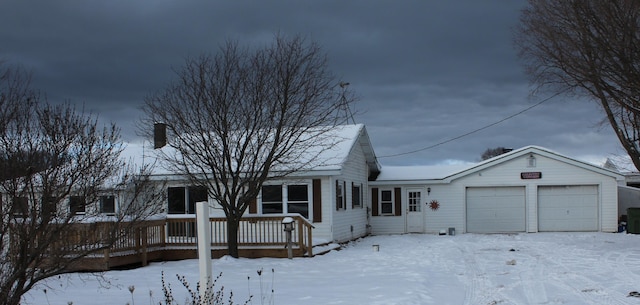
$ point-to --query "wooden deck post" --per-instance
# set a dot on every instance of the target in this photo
(310, 241)
(143, 236)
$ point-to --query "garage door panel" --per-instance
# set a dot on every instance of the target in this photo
(568, 208)
(495, 209)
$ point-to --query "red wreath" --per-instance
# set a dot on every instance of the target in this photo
(434, 205)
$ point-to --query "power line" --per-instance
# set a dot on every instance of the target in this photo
(475, 130)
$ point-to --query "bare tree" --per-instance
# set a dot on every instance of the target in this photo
(493, 152)
(244, 115)
(55, 162)
(591, 49)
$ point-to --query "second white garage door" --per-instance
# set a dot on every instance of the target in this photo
(568, 208)
(495, 209)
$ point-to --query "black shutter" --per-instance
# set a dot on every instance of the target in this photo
(398, 200)
(374, 201)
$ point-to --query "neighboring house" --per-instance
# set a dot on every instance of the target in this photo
(531, 189)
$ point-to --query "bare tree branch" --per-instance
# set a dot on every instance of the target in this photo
(591, 49)
(242, 116)
(55, 163)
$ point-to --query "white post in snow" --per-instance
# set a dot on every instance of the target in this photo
(204, 245)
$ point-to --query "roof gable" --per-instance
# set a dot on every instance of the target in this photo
(532, 150)
(448, 173)
(332, 157)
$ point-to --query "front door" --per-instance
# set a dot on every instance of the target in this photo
(415, 219)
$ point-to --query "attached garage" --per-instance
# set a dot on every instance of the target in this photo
(568, 208)
(496, 209)
(531, 189)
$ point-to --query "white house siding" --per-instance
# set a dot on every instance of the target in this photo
(554, 173)
(450, 192)
(450, 213)
(351, 222)
(388, 224)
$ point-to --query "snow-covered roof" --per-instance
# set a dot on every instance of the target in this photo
(343, 138)
(419, 172)
(446, 173)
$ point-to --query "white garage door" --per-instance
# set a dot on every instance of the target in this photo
(568, 208)
(495, 209)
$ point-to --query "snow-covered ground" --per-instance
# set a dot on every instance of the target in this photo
(536, 268)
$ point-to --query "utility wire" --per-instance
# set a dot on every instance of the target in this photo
(475, 130)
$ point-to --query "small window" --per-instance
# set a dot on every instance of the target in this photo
(77, 205)
(298, 199)
(176, 201)
(271, 199)
(340, 204)
(20, 207)
(414, 201)
(356, 196)
(49, 208)
(108, 204)
(386, 202)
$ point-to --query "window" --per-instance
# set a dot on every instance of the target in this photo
(49, 208)
(196, 194)
(20, 207)
(386, 202)
(298, 199)
(271, 199)
(340, 204)
(182, 200)
(108, 204)
(77, 205)
(414, 201)
(356, 195)
(176, 200)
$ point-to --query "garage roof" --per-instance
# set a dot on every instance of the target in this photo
(447, 173)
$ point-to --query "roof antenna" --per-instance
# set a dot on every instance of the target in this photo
(347, 109)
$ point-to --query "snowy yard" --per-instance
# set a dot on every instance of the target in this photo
(536, 268)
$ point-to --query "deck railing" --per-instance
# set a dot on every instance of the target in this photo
(177, 232)
(252, 231)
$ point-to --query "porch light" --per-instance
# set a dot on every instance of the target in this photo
(429, 191)
(287, 223)
(531, 161)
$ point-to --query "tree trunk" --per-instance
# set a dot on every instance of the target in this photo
(232, 236)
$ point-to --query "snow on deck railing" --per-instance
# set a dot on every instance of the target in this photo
(253, 231)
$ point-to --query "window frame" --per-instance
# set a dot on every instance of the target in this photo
(340, 196)
(277, 200)
(356, 201)
(284, 189)
(182, 201)
(382, 203)
(103, 199)
(77, 205)
(306, 201)
(414, 203)
(23, 211)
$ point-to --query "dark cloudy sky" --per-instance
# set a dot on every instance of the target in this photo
(424, 71)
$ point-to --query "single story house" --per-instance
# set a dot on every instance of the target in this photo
(333, 196)
(531, 189)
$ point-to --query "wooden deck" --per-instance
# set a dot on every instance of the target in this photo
(175, 238)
